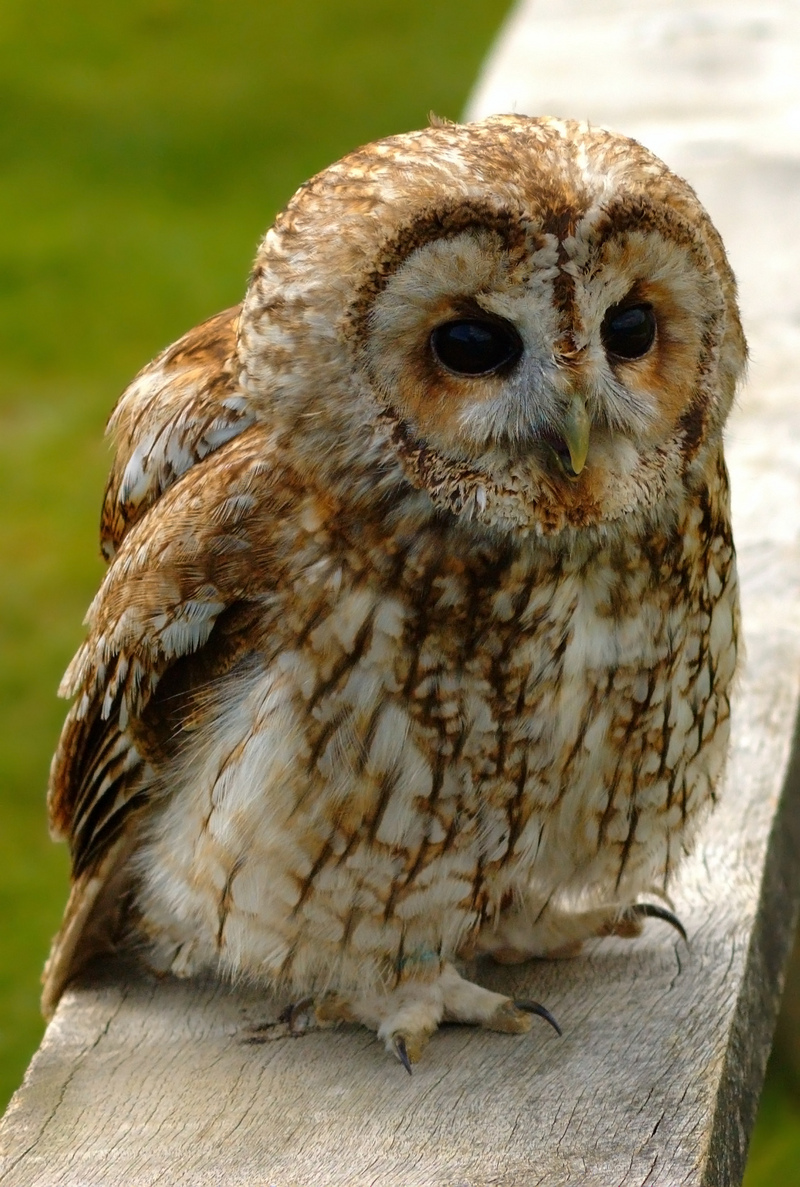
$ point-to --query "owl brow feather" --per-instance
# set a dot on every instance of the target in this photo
(434, 223)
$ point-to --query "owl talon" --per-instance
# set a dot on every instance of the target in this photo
(512, 1017)
(654, 911)
(407, 1046)
(401, 1051)
(299, 1016)
(531, 1007)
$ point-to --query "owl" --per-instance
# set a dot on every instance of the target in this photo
(419, 627)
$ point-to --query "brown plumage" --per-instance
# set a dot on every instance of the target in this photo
(419, 628)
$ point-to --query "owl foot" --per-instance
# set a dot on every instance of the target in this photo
(554, 933)
(299, 1016)
(297, 1019)
(630, 922)
(406, 1018)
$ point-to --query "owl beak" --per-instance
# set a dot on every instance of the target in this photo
(575, 427)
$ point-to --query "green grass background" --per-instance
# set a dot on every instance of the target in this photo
(145, 145)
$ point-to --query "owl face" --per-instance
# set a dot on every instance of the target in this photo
(544, 335)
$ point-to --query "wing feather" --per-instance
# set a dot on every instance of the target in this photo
(191, 561)
(204, 547)
(179, 408)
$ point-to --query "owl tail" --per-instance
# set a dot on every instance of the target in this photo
(93, 920)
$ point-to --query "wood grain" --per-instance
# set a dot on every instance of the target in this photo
(657, 1077)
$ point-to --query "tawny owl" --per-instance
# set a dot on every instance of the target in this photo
(419, 627)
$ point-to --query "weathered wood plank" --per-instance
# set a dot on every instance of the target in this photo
(656, 1078)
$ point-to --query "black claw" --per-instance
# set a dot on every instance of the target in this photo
(294, 1013)
(654, 911)
(402, 1053)
(542, 1011)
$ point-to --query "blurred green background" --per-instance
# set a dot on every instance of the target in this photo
(145, 147)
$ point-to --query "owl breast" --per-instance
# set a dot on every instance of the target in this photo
(449, 728)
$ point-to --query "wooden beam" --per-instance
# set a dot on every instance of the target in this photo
(656, 1079)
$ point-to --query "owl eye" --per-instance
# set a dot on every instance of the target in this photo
(628, 331)
(473, 347)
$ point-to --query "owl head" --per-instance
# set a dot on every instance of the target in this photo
(527, 324)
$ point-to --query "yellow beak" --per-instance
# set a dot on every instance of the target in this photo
(576, 433)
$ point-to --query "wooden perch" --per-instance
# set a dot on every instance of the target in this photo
(657, 1077)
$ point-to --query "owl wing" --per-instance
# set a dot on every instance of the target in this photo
(178, 409)
(191, 557)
